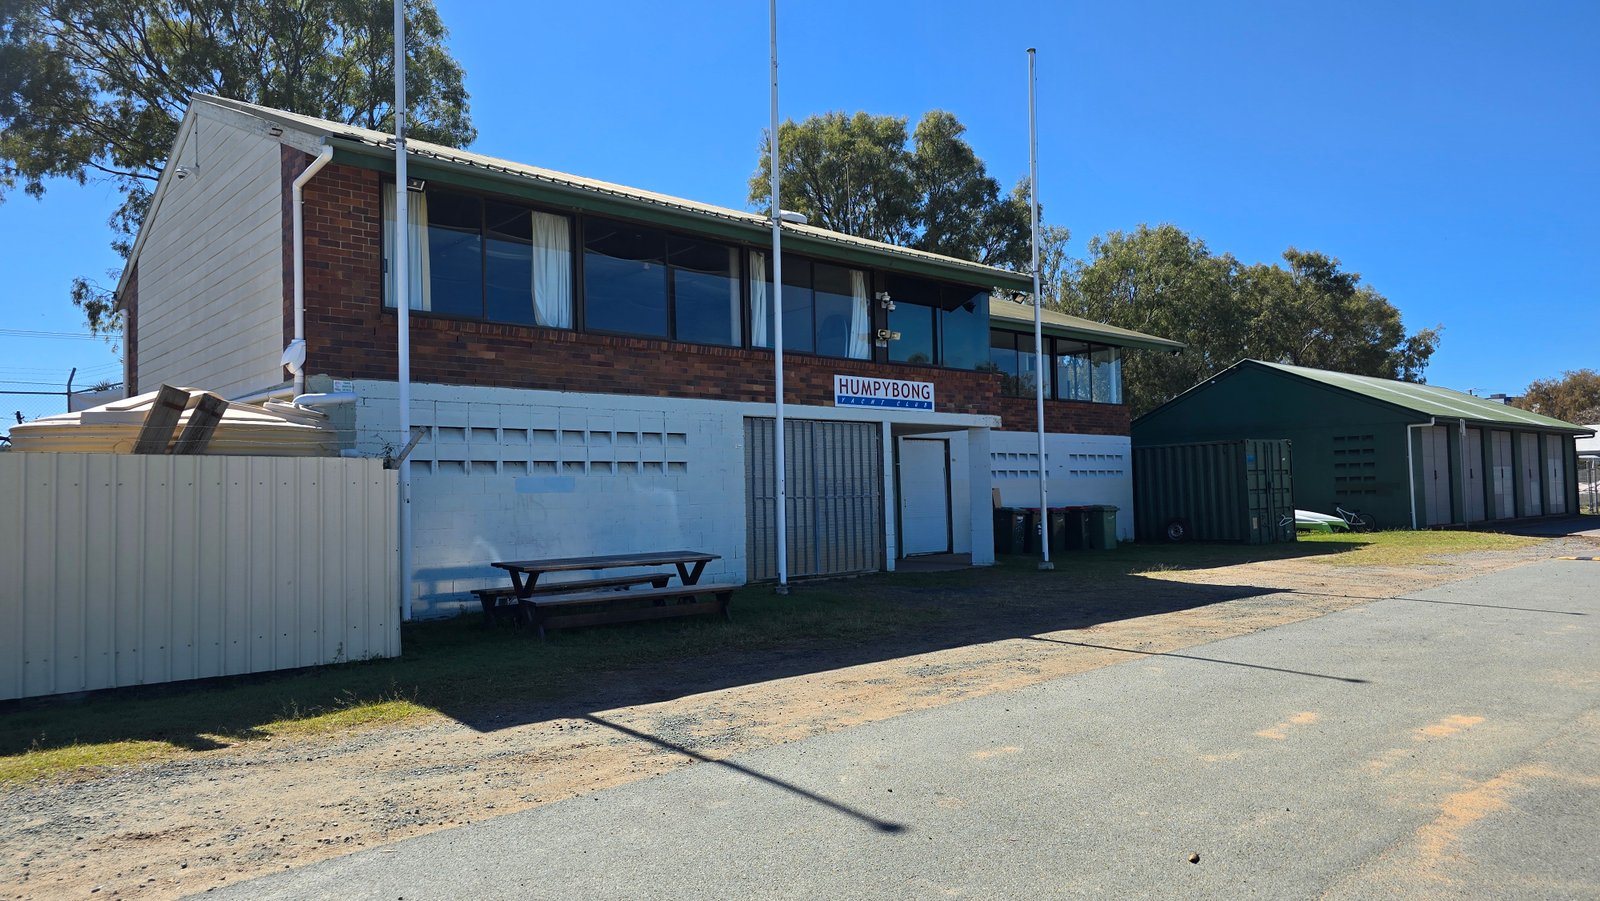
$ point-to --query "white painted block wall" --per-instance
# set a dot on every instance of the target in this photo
(510, 473)
(1084, 469)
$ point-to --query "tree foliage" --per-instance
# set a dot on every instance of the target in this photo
(95, 89)
(868, 176)
(1575, 397)
(1309, 312)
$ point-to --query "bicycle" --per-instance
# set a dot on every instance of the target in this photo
(1356, 520)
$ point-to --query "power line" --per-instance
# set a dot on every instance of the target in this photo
(36, 333)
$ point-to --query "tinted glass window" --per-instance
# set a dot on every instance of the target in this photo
(915, 323)
(964, 329)
(455, 254)
(624, 278)
(798, 301)
(1027, 366)
(705, 286)
(1106, 375)
(836, 314)
(508, 263)
(1003, 359)
(1072, 370)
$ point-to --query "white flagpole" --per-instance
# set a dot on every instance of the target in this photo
(402, 303)
(1039, 373)
(777, 320)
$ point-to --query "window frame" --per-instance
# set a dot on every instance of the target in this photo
(484, 198)
(1053, 392)
(577, 219)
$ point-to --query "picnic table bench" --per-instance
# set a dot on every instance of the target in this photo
(608, 599)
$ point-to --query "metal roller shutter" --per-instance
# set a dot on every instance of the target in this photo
(835, 505)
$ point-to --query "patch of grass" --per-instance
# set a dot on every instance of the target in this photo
(457, 668)
(451, 666)
(38, 764)
(1407, 548)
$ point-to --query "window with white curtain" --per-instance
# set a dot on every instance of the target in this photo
(826, 308)
(479, 258)
(419, 272)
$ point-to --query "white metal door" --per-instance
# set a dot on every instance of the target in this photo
(1532, 497)
(1473, 483)
(1503, 474)
(924, 496)
(1436, 475)
(1555, 463)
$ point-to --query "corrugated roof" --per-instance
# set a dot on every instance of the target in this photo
(977, 273)
(1426, 400)
(1062, 325)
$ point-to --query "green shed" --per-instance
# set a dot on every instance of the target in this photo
(1410, 455)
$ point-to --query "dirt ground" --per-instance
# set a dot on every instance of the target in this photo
(176, 827)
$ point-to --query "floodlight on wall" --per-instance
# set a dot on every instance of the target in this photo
(792, 217)
(416, 185)
(182, 172)
(275, 130)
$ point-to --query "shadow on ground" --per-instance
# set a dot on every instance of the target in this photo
(490, 679)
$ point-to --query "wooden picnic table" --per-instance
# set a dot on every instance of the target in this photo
(525, 573)
(556, 605)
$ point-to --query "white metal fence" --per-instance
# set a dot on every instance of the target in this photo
(126, 570)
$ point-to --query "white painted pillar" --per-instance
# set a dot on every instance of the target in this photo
(891, 500)
(981, 477)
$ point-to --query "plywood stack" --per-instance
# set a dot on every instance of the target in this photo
(183, 421)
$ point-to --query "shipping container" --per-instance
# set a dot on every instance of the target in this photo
(1215, 491)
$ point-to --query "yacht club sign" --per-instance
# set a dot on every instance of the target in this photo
(852, 391)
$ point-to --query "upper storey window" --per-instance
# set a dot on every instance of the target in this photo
(482, 259)
(641, 281)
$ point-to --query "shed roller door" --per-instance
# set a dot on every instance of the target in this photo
(1504, 474)
(1555, 466)
(834, 475)
(1532, 490)
(1436, 475)
(1473, 491)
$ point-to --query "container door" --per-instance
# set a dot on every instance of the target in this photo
(924, 496)
(1532, 498)
(1435, 475)
(835, 497)
(1474, 484)
(1555, 463)
(1503, 475)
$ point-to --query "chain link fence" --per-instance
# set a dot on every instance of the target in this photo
(1589, 484)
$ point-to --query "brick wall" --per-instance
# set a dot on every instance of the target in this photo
(130, 330)
(1019, 414)
(350, 335)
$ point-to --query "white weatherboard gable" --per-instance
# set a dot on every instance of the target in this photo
(210, 304)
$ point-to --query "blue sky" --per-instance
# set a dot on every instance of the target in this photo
(1449, 152)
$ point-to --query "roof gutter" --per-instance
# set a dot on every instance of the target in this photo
(295, 354)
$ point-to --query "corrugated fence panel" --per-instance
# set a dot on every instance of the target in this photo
(128, 570)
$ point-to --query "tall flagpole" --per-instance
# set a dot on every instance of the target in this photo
(777, 319)
(402, 303)
(1039, 373)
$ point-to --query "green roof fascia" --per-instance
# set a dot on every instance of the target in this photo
(463, 175)
(1112, 337)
